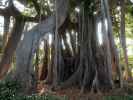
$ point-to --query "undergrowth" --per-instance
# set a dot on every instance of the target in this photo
(10, 90)
(118, 98)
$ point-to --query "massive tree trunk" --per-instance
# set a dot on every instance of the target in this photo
(123, 39)
(15, 35)
(24, 68)
(25, 52)
(94, 61)
(11, 46)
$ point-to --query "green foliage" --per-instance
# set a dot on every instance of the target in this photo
(118, 98)
(10, 90)
(130, 9)
(89, 6)
(35, 97)
(129, 25)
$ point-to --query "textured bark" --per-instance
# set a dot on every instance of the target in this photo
(106, 15)
(56, 47)
(50, 63)
(27, 47)
(11, 46)
(25, 52)
(6, 30)
(65, 61)
(67, 50)
(37, 65)
(113, 48)
(45, 67)
(18, 28)
(73, 43)
(84, 74)
(94, 61)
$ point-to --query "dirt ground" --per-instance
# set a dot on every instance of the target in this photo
(74, 93)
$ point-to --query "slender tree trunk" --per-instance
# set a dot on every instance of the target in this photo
(123, 39)
(46, 69)
(56, 46)
(37, 66)
(73, 43)
(114, 53)
(67, 47)
(6, 30)
(50, 62)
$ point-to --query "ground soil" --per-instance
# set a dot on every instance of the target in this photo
(74, 93)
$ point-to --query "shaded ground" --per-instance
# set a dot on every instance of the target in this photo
(74, 93)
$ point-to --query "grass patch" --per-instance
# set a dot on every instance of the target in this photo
(118, 98)
(9, 90)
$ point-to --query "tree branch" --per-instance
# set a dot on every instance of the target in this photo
(33, 19)
(12, 11)
(2, 12)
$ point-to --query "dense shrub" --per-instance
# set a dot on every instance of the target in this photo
(9, 90)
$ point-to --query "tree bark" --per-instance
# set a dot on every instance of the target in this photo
(11, 46)
(123, 39)
(25, 52)
(56, 48)
(6, 30)
(94, 64)
(27, 47)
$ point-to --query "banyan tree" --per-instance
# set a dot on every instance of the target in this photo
(85, 61)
